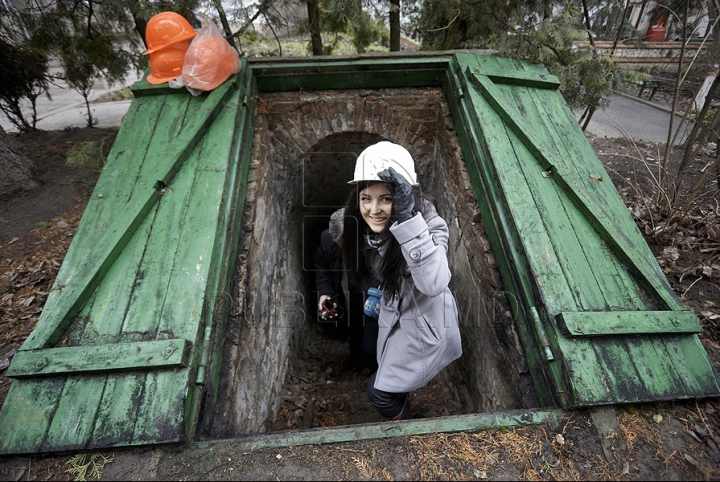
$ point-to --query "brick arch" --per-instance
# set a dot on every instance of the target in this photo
(297, 123)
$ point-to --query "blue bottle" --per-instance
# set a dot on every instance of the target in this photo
(372, 303)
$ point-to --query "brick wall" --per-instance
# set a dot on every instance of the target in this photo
(304, 153)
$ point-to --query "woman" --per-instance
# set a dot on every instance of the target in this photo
(393, 239)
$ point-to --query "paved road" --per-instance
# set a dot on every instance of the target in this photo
(66, 108)
(625, 116)
(632, 117)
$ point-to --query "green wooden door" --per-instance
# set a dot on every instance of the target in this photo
(599, 322)
(119, 354)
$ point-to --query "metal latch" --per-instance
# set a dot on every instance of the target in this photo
(169, 350)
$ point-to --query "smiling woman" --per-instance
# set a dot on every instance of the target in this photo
(402, 253)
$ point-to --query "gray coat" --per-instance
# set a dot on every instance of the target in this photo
(418, 330)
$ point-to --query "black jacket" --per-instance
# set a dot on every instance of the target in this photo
(328, 263)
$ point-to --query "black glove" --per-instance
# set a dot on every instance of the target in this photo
(402, 193)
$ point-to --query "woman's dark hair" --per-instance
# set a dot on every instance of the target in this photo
(393, 267)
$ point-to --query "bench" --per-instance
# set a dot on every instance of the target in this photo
(649, 84)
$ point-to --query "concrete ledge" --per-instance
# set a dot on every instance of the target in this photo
(403, 428)
(650, 104)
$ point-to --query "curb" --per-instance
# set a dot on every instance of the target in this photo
(649, 104)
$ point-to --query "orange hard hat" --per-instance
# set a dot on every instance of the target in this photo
(167, 28)
(209, 63)
(167, 63)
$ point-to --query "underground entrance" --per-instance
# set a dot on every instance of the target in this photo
(284, 367)
(148, 338)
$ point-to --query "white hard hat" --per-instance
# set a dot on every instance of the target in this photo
(381, 156)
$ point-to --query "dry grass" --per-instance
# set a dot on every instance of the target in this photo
(89, 154)
(528, 454)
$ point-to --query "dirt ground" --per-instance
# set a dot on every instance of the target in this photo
(658, 441)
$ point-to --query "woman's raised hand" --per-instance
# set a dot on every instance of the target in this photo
(401, 191)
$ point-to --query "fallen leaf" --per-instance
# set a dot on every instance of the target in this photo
(480, 474)
(701, 431)
(672, 253)
(692, 461)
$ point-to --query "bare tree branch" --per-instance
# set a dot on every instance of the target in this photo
(260, 11)
(446, 26)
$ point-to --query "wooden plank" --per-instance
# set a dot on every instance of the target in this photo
(560, 255)
(74, 419)
(107, 322)
(26, 414)
(577, 189)
(103, 323)
(660, 371)
(114, 185)
(263, 69)
(599, 323)
(515, 75)
(696, 370)
(496, 218)
(229, 211)
(654, 374)
(112, 189)
(116, 403)
(640, 369)
(200, 193)
(118, 294)
(162, 414)
(647, 378)
(403, 428)
(121, 282)
(118, 408)
(507, 158)
(548, 230)
(192, 288)
(350, 80)
(151, 291)
(100, 358)
(600, 373)
(148, 290)
(585, 258)
(60, 312)
(211, 362)
(281, 75)
(620, 289)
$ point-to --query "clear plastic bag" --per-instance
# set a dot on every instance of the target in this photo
(209, 61)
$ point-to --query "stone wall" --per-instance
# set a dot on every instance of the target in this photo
(646, 56)
(304, 153)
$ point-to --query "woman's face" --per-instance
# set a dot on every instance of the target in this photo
(376, 206)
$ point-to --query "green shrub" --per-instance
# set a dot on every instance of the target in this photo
(88, 154)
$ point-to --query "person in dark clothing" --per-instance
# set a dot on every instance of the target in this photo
(329, 280)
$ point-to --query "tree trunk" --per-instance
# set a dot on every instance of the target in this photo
(710, 76)
(697, 130)
(640, 16)
(140, 26)
(626, 14)
(586, 14)
(15, 169)
(314, 19)
(394, 25)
